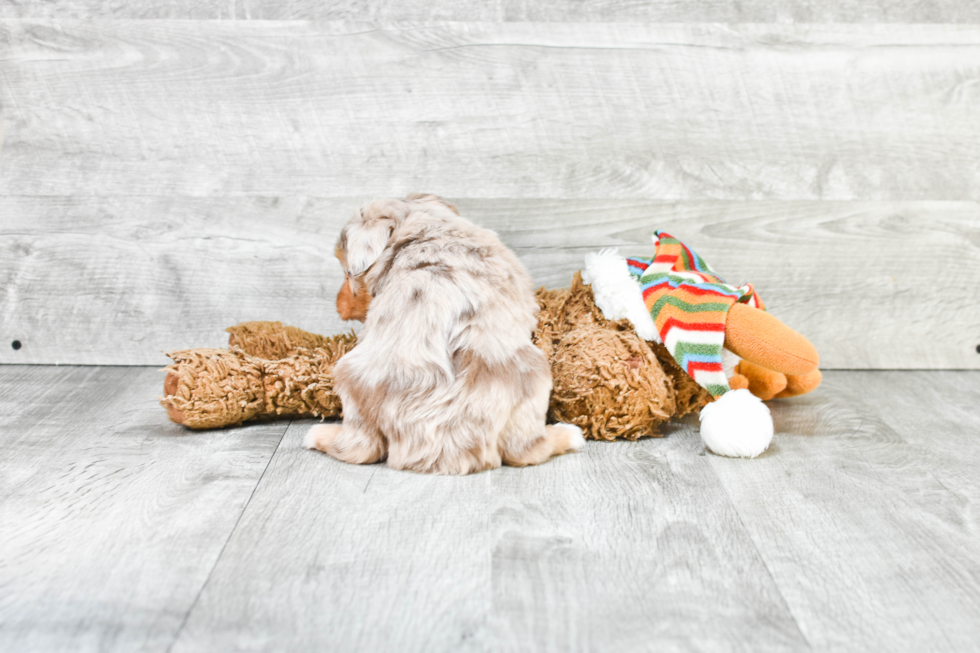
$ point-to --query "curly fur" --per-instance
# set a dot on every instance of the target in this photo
(445, 378)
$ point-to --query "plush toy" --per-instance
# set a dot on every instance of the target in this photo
(270, 370)
(607, 380)
(720, 334)
(614, 375)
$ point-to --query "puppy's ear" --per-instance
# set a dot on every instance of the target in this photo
(368, 233)
(363, 243)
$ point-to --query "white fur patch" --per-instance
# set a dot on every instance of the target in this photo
(320, 434)
(729, 361)
(365, 242)
(576, 440)
(617, 294)
(309, 442)
(737, 424)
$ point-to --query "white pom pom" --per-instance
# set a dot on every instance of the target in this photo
(616, 293)
(737, 424)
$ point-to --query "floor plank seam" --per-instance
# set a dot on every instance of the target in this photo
(762, 558)
(224, 546)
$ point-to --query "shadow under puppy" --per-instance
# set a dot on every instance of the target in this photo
(444, 378)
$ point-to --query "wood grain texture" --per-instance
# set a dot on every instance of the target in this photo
(629, 547)
(870, 532)
(923, 408)
(855, 531)
(119, 280)
(623, 547)
(363, 558)
(664, 11)
(556, 110)
(111, 518)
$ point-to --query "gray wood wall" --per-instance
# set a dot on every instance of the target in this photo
(172, 168)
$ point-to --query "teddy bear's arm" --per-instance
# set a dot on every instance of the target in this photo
(213, 388)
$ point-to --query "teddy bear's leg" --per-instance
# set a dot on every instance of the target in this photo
(762, 382)
(800, 384)
(211, 388)
(760, 338)
(275, 340)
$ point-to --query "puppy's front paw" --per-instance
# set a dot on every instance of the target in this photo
(321, 436)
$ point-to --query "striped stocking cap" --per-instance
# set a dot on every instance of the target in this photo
(689, 305)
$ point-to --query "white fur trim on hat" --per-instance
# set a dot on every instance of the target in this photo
(737, 424)
(729, 361)
(617, 294)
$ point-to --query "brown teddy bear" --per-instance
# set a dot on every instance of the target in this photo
(607, 379)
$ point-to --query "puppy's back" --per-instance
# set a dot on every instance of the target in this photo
(445, 369)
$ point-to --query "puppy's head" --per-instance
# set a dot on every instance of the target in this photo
(366, 240)
(429, 198)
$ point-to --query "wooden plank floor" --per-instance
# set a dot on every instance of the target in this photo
(858, 530)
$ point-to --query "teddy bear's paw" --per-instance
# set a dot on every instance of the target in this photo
(737, 424)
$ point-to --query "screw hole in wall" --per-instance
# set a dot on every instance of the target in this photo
(16, 345)
(978, 349)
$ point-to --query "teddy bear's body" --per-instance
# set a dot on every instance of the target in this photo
(607, 379)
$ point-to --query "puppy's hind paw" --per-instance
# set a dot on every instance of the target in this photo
(571, 434)
(320, 436)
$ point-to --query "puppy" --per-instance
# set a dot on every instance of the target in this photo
(444, 378)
